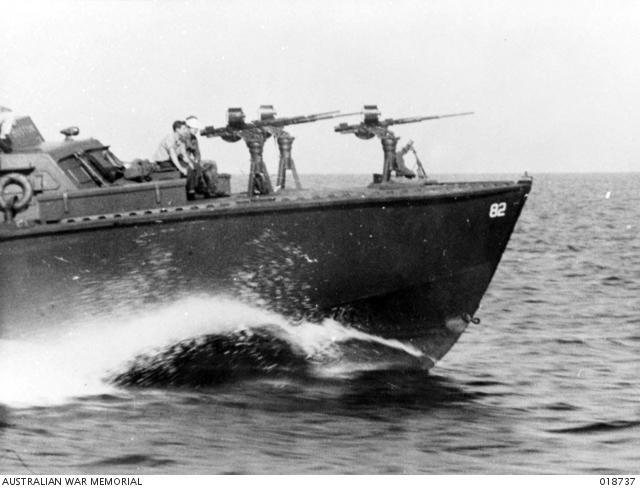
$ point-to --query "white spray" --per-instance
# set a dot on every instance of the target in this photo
(73, 360)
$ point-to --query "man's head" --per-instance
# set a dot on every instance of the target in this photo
(180, 128)
(407, 147)
(194, 124)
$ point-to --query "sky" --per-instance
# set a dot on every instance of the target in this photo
(554, 85)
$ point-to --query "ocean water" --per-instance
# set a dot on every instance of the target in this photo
(547, 383)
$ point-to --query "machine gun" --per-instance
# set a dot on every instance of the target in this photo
(268, 124)
(256, 132)
(371, 126)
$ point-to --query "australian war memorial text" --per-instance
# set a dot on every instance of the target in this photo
(71, 481)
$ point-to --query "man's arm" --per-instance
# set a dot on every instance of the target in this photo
(173, 154)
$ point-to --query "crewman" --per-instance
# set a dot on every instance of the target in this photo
(192, 145)
(399, 167)
(206, 171)
(172, 153)
(6, 123)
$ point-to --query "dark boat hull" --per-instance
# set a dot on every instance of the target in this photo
(409, 264)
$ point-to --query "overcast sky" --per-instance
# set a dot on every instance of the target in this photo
(555, 85)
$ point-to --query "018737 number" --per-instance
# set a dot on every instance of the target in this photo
(617, 481)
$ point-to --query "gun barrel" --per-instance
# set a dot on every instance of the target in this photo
(348, 114)
(330, 113)
(301, 119)
(317, 117)
(458, 114)
(409, 120)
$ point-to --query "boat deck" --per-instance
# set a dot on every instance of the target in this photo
(238, 204)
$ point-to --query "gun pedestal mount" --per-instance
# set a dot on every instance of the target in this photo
(285, 141)
(389, 145)
(255, 143)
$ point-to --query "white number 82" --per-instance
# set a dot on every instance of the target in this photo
(497, 210)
